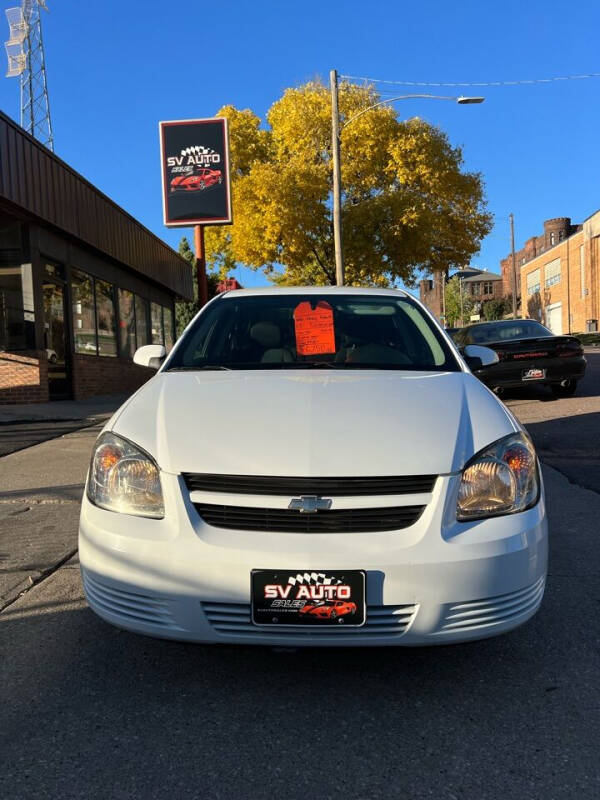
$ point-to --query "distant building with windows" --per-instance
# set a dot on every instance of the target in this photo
(82, 283)
(558, 275)
(479, 284)
(555, 231)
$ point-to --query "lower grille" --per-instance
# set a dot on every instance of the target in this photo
(353, 520)
(129, 606)
(382, 621)
(493, 610)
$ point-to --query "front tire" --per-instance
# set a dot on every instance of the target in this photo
(565, 388)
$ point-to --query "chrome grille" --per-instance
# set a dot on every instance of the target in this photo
(382, 621)
(329, 487)
(283, 520)
(493, 610)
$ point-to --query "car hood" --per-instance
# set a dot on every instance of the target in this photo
(313, 424)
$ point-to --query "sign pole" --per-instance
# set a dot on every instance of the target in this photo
(200, 265)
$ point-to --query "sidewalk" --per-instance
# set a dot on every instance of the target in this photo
(26, 425)
(90, 410)
(40, 494)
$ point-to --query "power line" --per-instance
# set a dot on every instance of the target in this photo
(482, 83)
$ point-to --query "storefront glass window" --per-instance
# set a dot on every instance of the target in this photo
(105, 313)
(126, 323)
(169, 328)
(157, 324)
(84, 317)
(12, 320)
(141, 320)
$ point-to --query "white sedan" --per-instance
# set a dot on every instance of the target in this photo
(314, 466)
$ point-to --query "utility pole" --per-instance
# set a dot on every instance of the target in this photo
(337, 180)
(444, 297)
(514, 265)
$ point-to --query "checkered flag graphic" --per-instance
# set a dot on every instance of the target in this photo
(196, 150)
(313, 579)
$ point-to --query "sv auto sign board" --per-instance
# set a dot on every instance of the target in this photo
(195, 172)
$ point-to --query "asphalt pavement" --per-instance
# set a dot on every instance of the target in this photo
(89, 711)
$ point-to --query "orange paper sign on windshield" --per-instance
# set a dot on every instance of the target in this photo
(314, 329)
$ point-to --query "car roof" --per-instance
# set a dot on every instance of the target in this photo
(356, 290)
(501, 322)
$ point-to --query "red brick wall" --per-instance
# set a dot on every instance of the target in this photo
(23, 377)
(97, 375)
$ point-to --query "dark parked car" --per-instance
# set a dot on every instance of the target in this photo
(452, 332)
(528, 353)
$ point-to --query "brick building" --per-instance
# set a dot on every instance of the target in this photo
(82, 283)
(479, 284)
(555, 231)
(559, 275)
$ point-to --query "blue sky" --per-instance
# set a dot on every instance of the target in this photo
(117, 67)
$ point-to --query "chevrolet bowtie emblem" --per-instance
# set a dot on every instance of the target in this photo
(309, 504)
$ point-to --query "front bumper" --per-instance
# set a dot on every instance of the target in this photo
(435, 582)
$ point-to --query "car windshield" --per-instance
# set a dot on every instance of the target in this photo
(522, 329)
(310, 331)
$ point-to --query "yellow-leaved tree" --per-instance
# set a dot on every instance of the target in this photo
(408, 204)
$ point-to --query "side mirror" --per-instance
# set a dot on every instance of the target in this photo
(150, 355)
(478, 357)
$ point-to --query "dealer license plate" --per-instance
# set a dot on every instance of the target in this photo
(533, 374)
(334, 598)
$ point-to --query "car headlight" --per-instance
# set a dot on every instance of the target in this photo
(502, 479)
(124, 478)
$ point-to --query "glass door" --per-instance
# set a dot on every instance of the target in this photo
(55, 341)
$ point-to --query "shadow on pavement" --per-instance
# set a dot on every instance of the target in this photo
(572, 446)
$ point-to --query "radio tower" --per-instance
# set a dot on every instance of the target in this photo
(25, 51)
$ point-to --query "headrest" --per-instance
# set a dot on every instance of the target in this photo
(267, 334)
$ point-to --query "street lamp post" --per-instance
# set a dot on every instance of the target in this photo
(336, 130)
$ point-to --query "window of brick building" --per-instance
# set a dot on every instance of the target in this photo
(127, 340)
(12, 314)
(476, 287)
(84, 313)
(488, 287)
(552, 272)
(141, 321)
(582, 270)
(552, 239)
(533, 282)
(106, 319)
(169, 326)
(158, 336)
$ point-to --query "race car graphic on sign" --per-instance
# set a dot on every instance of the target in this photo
(308, 598)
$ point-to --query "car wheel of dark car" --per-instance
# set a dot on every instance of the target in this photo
(564, 389)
